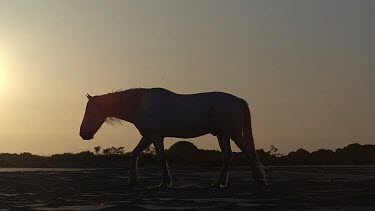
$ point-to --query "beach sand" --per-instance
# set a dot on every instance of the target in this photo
(294, 187)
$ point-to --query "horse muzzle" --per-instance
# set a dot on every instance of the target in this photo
(86, 136)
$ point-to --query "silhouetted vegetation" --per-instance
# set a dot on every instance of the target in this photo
(353, 154)
(188, 154)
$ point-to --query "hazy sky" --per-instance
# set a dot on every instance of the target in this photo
(306, 68)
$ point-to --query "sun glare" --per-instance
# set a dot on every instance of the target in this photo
(2, 75)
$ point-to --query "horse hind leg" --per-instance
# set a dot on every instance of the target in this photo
(247, 146)
(226, 154)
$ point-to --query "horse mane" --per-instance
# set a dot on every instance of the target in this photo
(121, 91)
(113, 121)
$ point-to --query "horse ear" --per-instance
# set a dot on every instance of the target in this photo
(88, 96)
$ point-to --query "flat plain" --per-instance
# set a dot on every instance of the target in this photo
(290, 188)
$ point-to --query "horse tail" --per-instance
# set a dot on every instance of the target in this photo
(247, 129)
(257, 168)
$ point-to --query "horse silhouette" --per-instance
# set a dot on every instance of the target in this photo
(158, 113)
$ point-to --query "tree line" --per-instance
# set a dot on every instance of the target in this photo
(188, 154)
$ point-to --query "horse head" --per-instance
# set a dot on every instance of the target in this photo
(95, 116)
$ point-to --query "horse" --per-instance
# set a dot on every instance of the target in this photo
(158, 113)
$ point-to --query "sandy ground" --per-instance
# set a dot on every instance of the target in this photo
(297, 188)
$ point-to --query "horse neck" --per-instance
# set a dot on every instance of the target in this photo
(122, 106)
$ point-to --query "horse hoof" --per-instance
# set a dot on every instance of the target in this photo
(218, 185)
(262, 183)
(165, 185)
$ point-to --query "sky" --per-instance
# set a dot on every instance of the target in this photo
(306, 68)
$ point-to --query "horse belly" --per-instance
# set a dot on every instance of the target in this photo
(186, 131)
(189, 126)
(181, 123)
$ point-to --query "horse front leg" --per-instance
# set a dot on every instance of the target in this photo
(142, 145)
(159, 148)
(226, 154)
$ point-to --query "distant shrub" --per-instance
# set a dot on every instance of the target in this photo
(187, 153)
